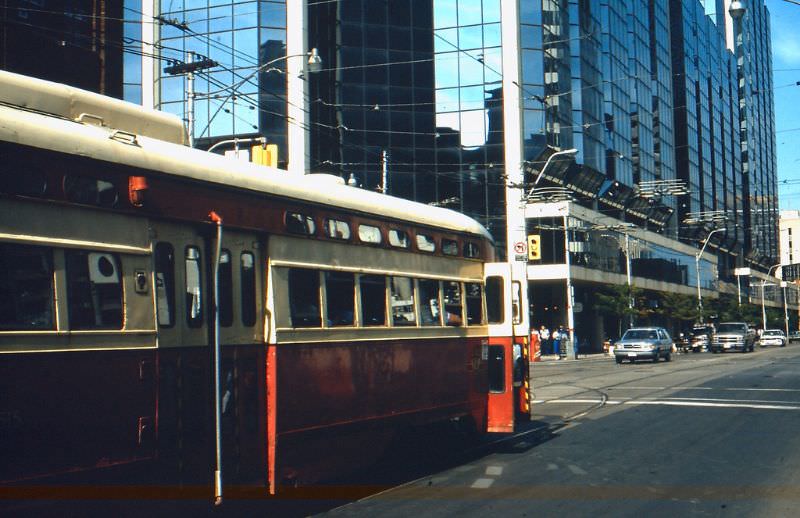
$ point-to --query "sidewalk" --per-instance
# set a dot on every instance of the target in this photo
(581, 357)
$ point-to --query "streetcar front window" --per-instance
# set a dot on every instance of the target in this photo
(495, 309)
(26, 288)
(94, 290)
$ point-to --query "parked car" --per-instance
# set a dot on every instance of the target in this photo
(644, 343)
(794, 336)
(772, 337)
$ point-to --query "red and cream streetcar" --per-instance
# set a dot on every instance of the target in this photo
(205, 320)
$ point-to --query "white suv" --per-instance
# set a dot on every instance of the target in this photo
(644, 343)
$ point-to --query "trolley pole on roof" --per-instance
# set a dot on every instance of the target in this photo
(189, 68)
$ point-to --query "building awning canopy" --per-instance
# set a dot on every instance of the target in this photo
(615, 194)
(584, 180)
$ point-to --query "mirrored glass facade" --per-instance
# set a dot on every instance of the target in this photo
(757, 122)
(706, 129)
(469, 109)
(242, 94)
(372, 107)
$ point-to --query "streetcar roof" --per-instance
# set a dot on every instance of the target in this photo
(73, 103)
(32, 124)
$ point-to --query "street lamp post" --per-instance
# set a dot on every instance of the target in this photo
(697, 271)
(763, 308)
(570, 295)
(570, 151)
(785, 312)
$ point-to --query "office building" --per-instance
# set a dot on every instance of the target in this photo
(648, 115)
(76, 42)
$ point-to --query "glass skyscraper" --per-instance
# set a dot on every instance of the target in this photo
(411, 101)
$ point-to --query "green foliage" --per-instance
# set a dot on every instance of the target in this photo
(677, 307)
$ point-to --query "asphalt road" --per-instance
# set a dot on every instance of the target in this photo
(703, 435)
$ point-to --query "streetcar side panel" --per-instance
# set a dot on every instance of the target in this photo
(77, 341)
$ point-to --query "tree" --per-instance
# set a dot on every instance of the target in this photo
(614, 301)
(677, 308)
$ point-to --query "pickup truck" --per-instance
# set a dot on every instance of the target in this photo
(733, 336)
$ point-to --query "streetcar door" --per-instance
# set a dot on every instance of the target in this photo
(498, 351)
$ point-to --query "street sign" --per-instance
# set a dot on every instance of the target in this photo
(519, 247)
(741, 271)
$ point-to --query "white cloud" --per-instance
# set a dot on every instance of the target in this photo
(786, 50)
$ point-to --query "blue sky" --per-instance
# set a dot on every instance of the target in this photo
(785, 18)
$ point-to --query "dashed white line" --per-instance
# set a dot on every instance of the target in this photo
(483, 483)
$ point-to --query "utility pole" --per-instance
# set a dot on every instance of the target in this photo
(189, 68)
(384, 171)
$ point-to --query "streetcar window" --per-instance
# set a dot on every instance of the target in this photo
(449, 247)
(398, 238)
(90, 191)
(340, 298)
(429, 313)
(165, 284)
(472, 250)
(225, 304)
(403, 313)
(369, 234)
(337, 229)
(453, 308)
(474, 297)
(495, 309)
(373, 300)
(304, 297)
(194, 300)
(248, 287)
(516, 302)
(497, 370)
(32, 183)
(297, 223)
(26, 288)
(94, 290)
(425, 243)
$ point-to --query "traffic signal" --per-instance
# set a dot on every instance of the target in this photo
(265, 155)
(534, 247)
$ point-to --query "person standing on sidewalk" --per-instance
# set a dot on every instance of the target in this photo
(558, 337)
(544, 339)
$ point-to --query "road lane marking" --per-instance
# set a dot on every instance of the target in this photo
(689, 402)
(577, 470)
(483, 483)
(494, 471)
(712, 404)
